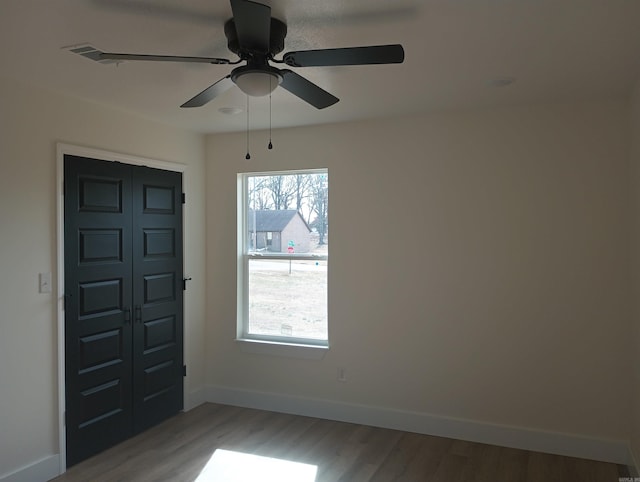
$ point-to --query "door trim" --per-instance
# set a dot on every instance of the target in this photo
(61, 150)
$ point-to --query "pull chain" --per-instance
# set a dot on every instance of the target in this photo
(248, 156)
(270, 146)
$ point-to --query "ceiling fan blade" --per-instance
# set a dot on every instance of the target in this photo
(306, 90)
(253, 25)
(378, 54)
(210, 93)
(158, 58)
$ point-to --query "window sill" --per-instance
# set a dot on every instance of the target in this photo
(260, 347)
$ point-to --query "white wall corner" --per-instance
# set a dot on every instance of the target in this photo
(615, 451)
(44, 469)
(194, 398)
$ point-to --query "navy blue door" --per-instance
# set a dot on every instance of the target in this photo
(123, 301)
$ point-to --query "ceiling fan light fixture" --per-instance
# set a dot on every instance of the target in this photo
(256, 82)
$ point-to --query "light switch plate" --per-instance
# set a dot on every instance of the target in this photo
(45, 282)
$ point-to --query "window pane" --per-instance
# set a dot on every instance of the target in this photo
(286, 213)
(288, 298)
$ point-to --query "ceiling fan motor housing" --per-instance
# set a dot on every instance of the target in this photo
(276, 41)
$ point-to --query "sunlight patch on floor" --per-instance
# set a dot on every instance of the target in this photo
(229, 466)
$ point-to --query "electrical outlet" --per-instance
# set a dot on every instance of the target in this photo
(342, 374)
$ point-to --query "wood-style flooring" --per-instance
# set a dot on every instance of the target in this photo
(179, 449)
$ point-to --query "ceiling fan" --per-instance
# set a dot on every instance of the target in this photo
(256, 37)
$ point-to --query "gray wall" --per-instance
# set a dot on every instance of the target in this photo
(510, 301)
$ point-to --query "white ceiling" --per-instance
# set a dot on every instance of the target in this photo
(558, 50)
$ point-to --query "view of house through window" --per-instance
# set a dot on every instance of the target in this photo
(285, 229)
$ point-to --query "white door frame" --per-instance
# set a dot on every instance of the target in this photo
(104, 155)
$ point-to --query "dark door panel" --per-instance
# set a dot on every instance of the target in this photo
(157, 274)
(98, 291)
(123, 309)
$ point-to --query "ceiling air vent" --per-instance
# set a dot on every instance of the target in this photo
(90, 52)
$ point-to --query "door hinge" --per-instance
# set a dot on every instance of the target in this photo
(184, 283)
(184, 370)
(184, 198)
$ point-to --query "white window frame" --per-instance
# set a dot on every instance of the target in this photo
(243, 258)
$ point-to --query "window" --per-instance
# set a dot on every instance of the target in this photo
(283, 250)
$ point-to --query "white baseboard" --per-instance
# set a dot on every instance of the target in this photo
(616, 451)
(40, 471)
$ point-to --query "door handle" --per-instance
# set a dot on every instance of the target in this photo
(138, 314)
(127, 316)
